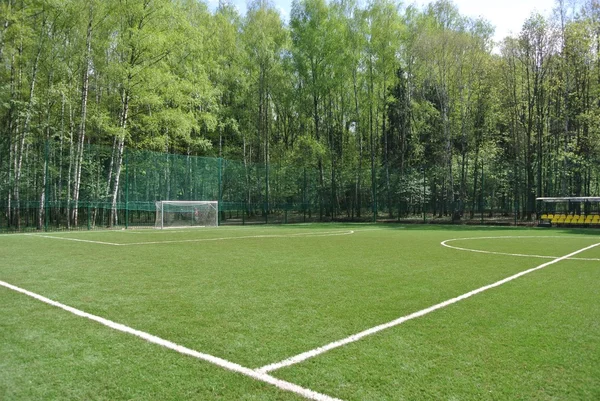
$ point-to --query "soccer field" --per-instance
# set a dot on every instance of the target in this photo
(317, 311)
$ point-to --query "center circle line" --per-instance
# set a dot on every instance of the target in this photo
(445, 243)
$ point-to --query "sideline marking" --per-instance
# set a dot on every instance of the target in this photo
(75, 239)
(317, 234)
(355, 337)
(304, 234)
(523, 255)
(137, 230)
(281, 384)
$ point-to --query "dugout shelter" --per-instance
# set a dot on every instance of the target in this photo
(574, 211)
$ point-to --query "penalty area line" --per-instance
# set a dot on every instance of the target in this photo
(353, 338)
(223, 363)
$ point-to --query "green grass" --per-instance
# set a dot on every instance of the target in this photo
(255, 301)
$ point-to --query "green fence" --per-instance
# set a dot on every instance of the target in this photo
(44, 196)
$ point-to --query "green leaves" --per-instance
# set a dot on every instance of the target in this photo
(344, 86)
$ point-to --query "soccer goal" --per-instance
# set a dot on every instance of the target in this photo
(182, 214)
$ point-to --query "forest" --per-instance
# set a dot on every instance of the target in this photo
(379, 104)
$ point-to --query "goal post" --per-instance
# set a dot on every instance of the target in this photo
(184, 214)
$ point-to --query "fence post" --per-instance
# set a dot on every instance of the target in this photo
(266, 193)
(46, 188)
(126, 188)
(220, 189)
(516, 193)
(304, 197)
(374, 190)
(482, 193)
(423, 171)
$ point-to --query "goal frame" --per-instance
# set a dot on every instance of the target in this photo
(160, 210)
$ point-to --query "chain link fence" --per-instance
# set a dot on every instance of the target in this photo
(46, 196)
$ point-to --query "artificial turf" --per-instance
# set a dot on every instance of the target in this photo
(257, 295)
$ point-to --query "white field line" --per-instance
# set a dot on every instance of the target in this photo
(391, 229)
(281, 384)
(74, 239)
(320, 350)
(317, 234)
(221, 228)
(305, 234)
(148, 230)
(154, 231)
(524, 255)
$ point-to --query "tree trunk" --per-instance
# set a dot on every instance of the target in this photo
(58, 191)
(358, 135)
(25, 132)
(12, 148)
(45, 178)
(84, 98)
(120, 148)
(71, 165)
(371, 139)
(43, 195)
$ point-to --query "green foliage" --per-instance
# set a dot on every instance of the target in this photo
(346, 87)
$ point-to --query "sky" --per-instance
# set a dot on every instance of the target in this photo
(506, 15)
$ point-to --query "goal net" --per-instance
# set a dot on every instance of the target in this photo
(172, 214)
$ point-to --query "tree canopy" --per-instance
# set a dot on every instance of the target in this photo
(344, 88)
